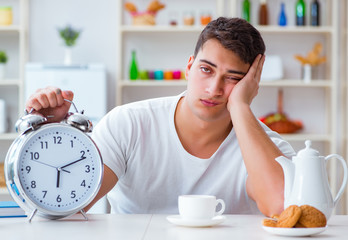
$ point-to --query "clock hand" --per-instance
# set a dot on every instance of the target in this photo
(73, 162)
(51, 166)
(44, 163)
(58, 177)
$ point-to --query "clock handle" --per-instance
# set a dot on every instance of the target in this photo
(32, 109)
(72, 104)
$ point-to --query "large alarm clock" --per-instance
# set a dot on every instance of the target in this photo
(53, 169)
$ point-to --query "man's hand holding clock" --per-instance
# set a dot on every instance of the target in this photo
(49, 102)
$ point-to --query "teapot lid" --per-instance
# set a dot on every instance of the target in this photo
(308, 151)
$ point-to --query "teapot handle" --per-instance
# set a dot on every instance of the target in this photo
(345, 177)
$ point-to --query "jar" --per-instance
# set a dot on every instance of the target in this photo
(189, 18)
(158, 74)
(205, 18)
(168, 75)
(173, 18)
(5, 15)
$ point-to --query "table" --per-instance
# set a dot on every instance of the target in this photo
(149, 227)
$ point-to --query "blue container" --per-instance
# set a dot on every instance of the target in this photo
(158, 75)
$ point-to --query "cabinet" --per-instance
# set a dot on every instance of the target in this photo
(13, 40)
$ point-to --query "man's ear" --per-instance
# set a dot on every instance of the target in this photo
(188, 66)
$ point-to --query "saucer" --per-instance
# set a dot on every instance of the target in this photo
(294, 232)
(177, 220)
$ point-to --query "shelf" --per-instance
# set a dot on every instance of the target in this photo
(307, 136)
(152, 83)
(11, 28)
(296, 83)
(8, 136)
(198, 29)
(161, 28)
(10, 82)
(3, 190)
(295, 29)
(276, 83)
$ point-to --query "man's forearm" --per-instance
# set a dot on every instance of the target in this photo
(265, 182)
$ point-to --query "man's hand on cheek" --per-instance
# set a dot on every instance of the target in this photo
(247, 88)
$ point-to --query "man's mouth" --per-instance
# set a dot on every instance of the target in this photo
(209, 103)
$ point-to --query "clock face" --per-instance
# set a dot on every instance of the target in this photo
(59, 169)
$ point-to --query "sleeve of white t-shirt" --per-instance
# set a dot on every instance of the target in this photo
(112, 136)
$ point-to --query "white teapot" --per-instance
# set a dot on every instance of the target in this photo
(306, 180)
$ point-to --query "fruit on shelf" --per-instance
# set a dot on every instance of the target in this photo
(279, 121)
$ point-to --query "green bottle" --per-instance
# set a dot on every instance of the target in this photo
(133, 70)
(246, 10)
(300, 13)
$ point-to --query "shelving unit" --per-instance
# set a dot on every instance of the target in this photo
(318, 112)
(127, 90)
(326, 84)
(13, 40)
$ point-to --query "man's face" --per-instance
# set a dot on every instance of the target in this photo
(211, 78)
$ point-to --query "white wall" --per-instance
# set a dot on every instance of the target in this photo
(96, 44)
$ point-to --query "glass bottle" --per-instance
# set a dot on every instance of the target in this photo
(246, 10)
(315, 14)
(133, 69)
(263, 13)
(300, 13)
(282, 21)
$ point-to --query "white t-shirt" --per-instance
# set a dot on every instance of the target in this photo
(139, 142)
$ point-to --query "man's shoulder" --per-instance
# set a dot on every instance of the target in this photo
(144, 109)
(151, 104)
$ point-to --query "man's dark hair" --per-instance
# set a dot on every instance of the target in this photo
(234, 34)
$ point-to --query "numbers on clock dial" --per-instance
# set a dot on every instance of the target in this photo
(58, 169)
(44, 145)
(57, 139)
(34, 155)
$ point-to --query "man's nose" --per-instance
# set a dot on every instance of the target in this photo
(215, 86)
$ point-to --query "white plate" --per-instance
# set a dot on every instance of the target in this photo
(294, 232)
(176, 219)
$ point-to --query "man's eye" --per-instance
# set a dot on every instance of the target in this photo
(204, 69)
(232, 79)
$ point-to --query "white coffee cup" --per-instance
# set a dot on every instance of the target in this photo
(195, 207)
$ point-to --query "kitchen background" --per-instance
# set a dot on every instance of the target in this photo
(108, 37)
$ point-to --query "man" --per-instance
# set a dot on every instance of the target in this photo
(204, 141)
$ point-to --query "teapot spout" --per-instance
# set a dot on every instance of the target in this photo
(289, 173)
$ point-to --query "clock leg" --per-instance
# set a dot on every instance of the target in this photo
(32, 215)
(84, 214)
